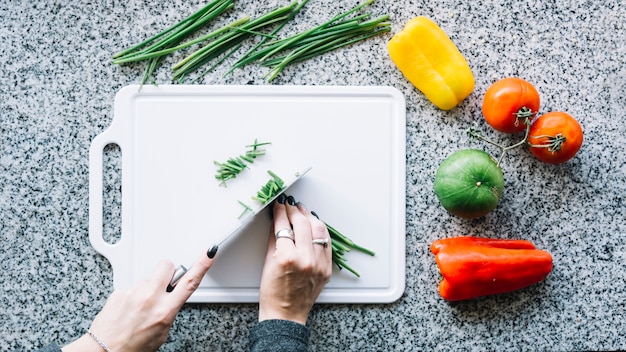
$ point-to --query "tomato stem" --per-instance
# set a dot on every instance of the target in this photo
(553, 143)
(504, 149)
(524, 115)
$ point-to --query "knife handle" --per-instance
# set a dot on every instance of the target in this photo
(178, 274)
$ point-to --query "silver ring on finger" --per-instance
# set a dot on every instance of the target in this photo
(321, 241)
(285, 233)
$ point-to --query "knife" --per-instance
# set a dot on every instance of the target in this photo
(181, 270)
(253, 213)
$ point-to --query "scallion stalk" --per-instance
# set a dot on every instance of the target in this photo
(153, 54)
(340, 245)
(245, 58)
(313, 30)
(323, 46)
(173, 30)
(234, 36)
(161, 42)
(276, 54)
(331, 35)
(212, 67)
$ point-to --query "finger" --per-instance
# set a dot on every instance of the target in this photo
(190, 282)
(271, 243)
(319, 231)
(281, 221)
(161, 276)
(301, 227)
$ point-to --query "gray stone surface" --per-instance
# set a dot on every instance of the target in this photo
(57, 86)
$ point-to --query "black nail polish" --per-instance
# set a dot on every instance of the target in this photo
(315, 214)
(281, 198)
(178, 273)
(211, 252)
(291, 200)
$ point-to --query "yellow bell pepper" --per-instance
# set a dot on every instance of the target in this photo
(431, 62)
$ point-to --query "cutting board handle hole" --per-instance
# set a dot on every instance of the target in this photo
(112, 193)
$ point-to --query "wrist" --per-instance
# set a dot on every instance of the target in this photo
(83, 344)
(277, 314)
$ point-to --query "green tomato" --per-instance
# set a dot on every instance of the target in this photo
(469, 183)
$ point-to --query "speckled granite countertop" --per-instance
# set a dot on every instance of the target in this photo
(56, 93)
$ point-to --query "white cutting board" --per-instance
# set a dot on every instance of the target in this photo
(173, 208)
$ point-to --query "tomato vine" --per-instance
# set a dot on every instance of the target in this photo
(473, 132)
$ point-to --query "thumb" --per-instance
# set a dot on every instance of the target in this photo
(192, 278)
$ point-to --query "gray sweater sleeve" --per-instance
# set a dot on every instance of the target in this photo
(278, 336)
(268, 335)
(50, 348)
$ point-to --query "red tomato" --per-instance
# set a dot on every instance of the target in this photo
(510, 104)
(555, 137)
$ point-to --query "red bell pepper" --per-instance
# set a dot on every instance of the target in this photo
(477, 266)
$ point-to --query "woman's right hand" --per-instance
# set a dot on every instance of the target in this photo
(139, 319)
(295, 271)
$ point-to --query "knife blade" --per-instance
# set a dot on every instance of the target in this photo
(181, 270)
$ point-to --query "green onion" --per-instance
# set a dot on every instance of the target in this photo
(161, 42)
(244, 59)
(313, 30)
(179, 30)
(270, 189)
(246, 209)
(329, 36)
(234, 166)
(320, 47)
(256, 54)
(343, 240)
(256, 144)
(212, 67)
(145, 55)
(341, 245)
(276, 54)
(331, 41)
(230, 38)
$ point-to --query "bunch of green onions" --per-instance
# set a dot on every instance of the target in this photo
(228, 40)
(329, 36)
(274, 53)
(155, 48)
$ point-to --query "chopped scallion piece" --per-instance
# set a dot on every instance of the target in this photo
(246, 209)
(234, 166)
(270, 189)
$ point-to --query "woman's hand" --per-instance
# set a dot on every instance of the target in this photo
(295, 271)
(140, 319)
